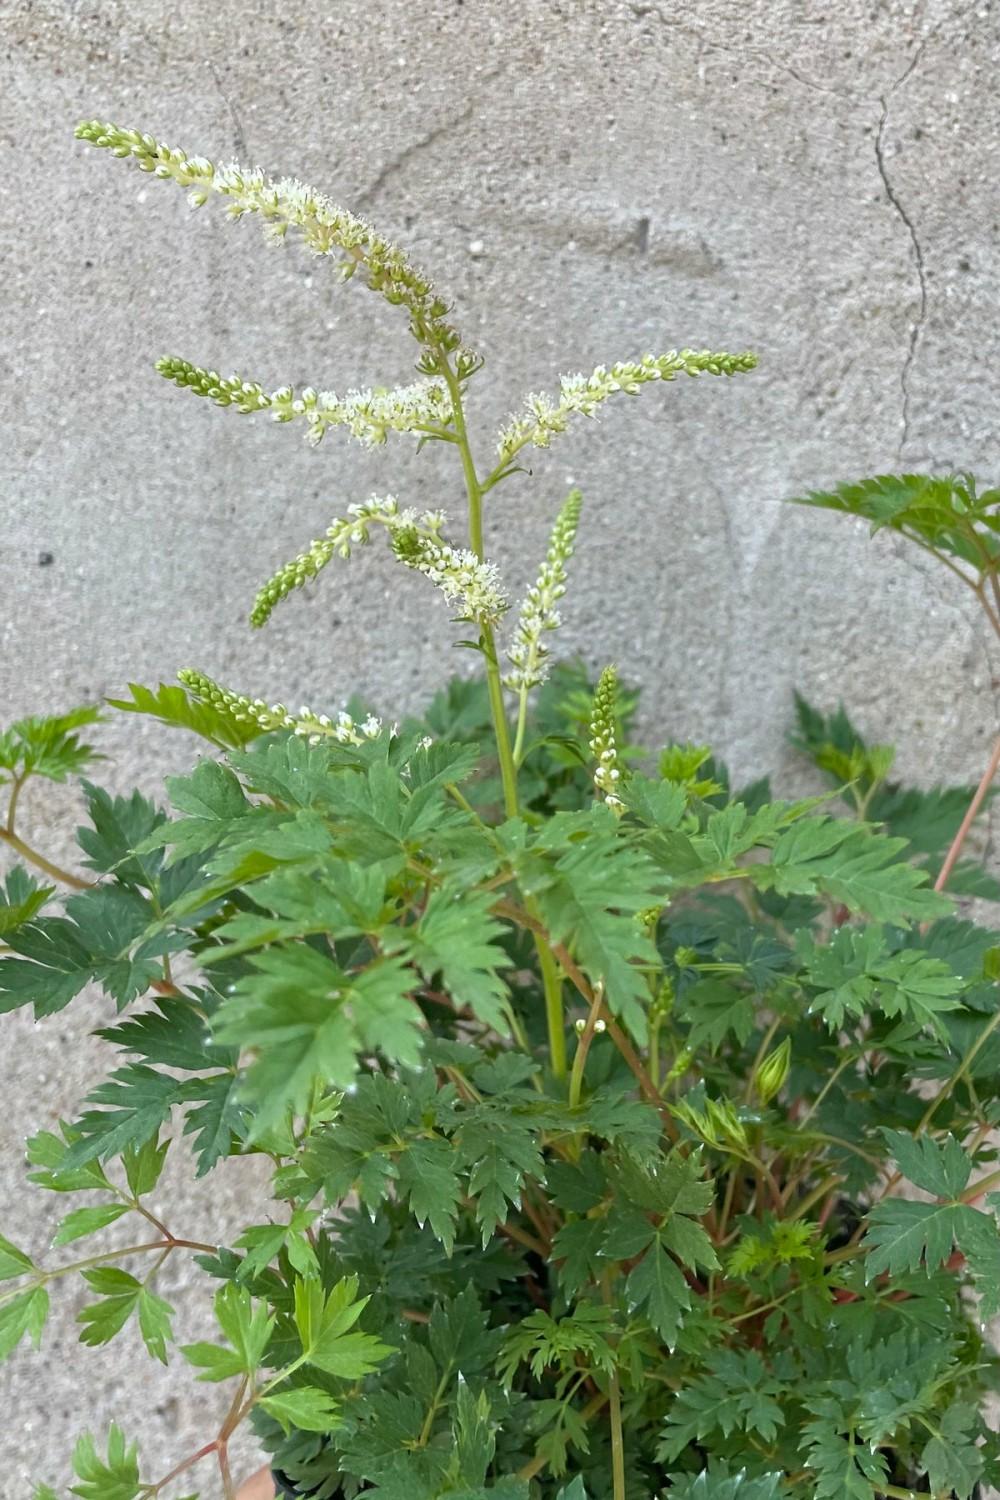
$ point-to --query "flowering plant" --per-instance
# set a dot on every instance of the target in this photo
(589, 1086)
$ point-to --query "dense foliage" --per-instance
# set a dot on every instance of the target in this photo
(594, 1087)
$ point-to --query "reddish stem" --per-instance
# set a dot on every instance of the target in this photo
(951, 857)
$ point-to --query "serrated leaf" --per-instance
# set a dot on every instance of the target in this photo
(48, 746)
(154, 1324)
(23, 1315)
(172, 705)
(903, 1236)
(21, 898)
(83, 1221)
(115, 1477)
(13, 1262)
(714, 1010)
(657, 1286)
(308, 1020)
(246, 1324)
(456, 937)
(118, 826)
(119, 1293)
(939, 1167)
(427, 1177)
(951, 1459)
(853, 866)
(305, 1408)
(324, 1322)
(143, 1165)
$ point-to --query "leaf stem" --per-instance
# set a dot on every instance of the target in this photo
(40, 862)
(959, 1073)
(617, 1437)
(951, 858)
(583, 1047)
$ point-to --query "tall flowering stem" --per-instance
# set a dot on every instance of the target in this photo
(528, 653)
(549, 969)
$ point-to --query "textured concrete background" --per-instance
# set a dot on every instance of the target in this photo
(586, 181)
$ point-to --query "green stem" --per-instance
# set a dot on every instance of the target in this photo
(551, 982)
(554, 1017)
(522, 724)
(474, 493)
(845, 1062)
(617, 1438)
(959, 1073)
(583, 1047)
(40, 862)
(42, 1277)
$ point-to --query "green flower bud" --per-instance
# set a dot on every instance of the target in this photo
(770, 1076)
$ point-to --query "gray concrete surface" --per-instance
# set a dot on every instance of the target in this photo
(587, 181)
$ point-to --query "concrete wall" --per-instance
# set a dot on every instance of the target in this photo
(587, 181)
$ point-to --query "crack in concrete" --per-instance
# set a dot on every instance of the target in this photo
(436, 133)
(242, 149)
(917, 325)
(756, 54)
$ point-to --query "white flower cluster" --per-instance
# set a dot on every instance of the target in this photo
(461, 576)
(528, 653)
(314, 727)
(352, 530)
(424, 406)
(323, 225)
(581, 395)
(416, 539)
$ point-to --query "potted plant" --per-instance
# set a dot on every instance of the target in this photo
(594, 1087)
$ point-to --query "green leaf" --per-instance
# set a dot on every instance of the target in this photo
(13, 1262)
(172, 705)
(935, 510)
(589, 898)
(736, 1393)
(905, 1236)
(428, 1177)
(457, 938)
(48, 747)
(214, 801)
(119, 1293)
(115, 1477)
(721, 1483)
(304, 1408)
(579, 1245)
(143, 1165)
(500, 1152)
(21, 898)
(138, 1100)
(657, 1286)
(308, 1020)
(154, 1324)
(83, 1221)
(951, 1459)
(23, 1314)
(853, 866)
(92, 942)
(47, 1152)
(324, 1321)
(714, 1010)
(263, 1242)
(247, 1327)
(939, 1167)
(119, 826)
